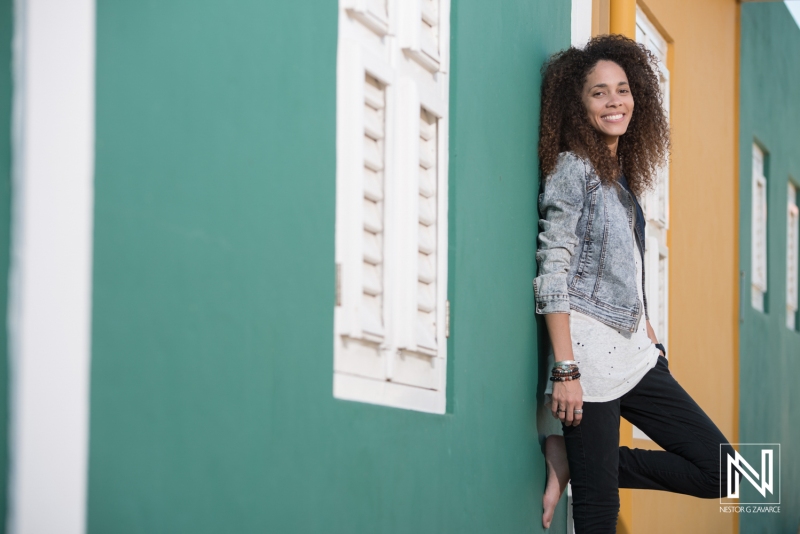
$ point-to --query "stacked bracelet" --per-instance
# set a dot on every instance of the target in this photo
(565, 370)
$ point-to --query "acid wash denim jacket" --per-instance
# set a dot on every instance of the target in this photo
(584, 252)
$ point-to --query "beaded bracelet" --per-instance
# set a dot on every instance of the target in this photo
(564, 378)
(564, 367)
(564, 373)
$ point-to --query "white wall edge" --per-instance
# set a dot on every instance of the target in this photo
(51, 265)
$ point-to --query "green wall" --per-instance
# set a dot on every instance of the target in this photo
(6, 84)
(770, 115)
(212, 407)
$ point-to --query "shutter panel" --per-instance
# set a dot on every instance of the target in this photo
(662, 323)
(792, 252)
(656, 202)
(419, 361)
(349, 167)
(426, 272)
(429, 29)
(374, 164)
(652, 279)
(759, 231)
(662, 186)
(363, 81)
(420, 32)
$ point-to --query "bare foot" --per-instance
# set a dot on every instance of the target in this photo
(555, 453)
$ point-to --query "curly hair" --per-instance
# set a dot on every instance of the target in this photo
(565, 123)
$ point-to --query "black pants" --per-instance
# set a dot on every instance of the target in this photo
(659, 406)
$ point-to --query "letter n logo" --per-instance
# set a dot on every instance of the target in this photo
(762, 479)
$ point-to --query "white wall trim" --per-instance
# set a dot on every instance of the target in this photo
(51, 264)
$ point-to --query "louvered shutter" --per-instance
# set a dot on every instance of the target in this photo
(420, 31)
(364, 84)
(373, 221)
(759, 231)
(427, 244)
(420, 319)
(792, 245)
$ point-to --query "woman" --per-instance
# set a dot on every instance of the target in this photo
(603, 136)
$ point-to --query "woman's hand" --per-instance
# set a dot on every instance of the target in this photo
(567, 397)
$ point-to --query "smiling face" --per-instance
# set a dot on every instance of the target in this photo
(608, 101)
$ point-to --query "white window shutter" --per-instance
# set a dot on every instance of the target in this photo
(792, 252)
(759, 231)
(420, 30)
(348, 190)
(407, 212)
(362, 168)
(373, 221)
(364, 80)
(663, 296)
(416, 361)
(656, 201)
(427, 249)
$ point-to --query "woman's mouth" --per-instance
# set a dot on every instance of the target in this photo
(617, 117)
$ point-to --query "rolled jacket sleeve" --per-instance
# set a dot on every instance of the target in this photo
(560, 207)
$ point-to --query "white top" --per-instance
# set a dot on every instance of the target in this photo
(611, 361)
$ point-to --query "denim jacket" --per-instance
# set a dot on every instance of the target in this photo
(584, 252)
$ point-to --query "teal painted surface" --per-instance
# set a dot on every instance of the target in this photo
(770, 115)
(212, 407)
(6, 84)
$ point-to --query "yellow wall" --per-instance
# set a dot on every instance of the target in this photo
(703, 292)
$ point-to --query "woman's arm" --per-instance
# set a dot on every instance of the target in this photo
(560, 337)
(560, 207)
